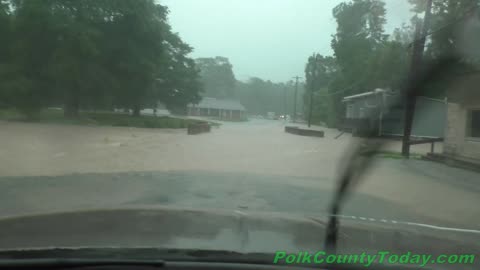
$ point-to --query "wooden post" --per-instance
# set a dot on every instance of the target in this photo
(294, 116)
(312, 88)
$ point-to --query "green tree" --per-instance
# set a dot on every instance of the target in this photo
(92, 54)
(447, 16)
(5, 45)
(25, 83)
(5, 30)
(136, 60)
(359, 36)
(448, 36)
(358, 41)
(388, 66)
(76, 65)
(261, 96)
(217, 77)
(178, 83)
(320, 71)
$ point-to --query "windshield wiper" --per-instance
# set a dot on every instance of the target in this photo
(74, 263)
(360, 159)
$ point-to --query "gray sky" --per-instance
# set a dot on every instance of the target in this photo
(270, 39)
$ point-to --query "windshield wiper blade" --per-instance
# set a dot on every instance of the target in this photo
(74, 263)
(361, 158)
(357, 163)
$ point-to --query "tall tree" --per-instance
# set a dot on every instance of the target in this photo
(359, 36)
(446, 20)
(217, 76)
(261, 96)
(5, 30)
(447, 36)
(92, 54)
(320, 71)
(26, 84)
(76, 65)
(135, 61)
(178, 82)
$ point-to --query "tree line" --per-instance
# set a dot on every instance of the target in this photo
(365, 57)
(93, 54)
(262, 96)
(259, 96)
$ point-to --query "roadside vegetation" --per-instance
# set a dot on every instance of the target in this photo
(395, 155)
(101, 118)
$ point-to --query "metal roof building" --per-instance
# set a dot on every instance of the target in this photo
(377, 109)
(226, 109)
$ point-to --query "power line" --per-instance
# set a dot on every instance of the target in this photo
(338, 91)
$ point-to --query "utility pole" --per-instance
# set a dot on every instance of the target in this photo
(410, 97)
(285, 103)
(295, 99)
(314, 77)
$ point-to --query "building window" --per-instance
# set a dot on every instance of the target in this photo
(473, 124)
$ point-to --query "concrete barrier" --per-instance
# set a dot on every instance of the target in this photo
(304, 132)
(292, 130)
(197, 128)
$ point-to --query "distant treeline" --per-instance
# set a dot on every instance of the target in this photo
(259, 96)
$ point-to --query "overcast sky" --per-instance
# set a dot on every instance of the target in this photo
(270, 39)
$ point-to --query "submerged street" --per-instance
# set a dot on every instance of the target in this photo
(246, 166)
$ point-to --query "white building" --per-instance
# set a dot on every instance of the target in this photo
(225, 109)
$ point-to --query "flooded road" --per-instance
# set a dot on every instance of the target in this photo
(32, 149)
(253, 165)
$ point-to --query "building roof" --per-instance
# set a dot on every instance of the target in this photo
(224, 104)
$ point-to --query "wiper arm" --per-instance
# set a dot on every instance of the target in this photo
(357, 163)
(74, 263)
(360, 159)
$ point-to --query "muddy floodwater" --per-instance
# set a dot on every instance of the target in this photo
(258, 146)
(242, 158)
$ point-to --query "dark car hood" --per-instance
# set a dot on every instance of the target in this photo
(239, 231)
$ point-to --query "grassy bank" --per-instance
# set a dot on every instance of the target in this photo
(101, 119)
(392, 155)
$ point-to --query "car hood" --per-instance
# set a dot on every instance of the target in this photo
(238, 231)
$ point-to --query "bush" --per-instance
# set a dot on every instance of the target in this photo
(149, 124)
(183, 123)
(121, 123)
(175, 123)
(101, 118)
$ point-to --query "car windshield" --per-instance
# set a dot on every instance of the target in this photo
(242, 125)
